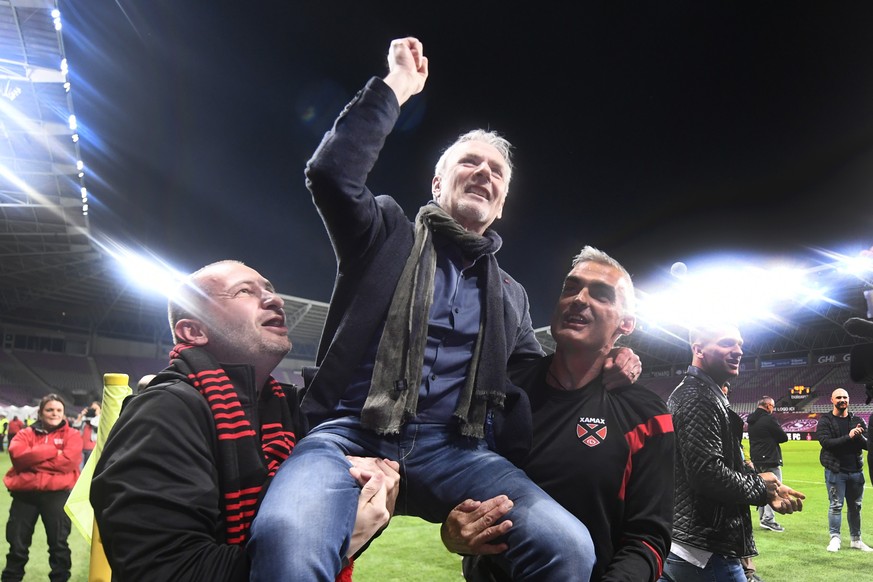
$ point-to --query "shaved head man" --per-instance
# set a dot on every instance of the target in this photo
(842, 440)
(200, 440)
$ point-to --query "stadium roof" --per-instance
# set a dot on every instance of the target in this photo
(54, 271)
(44, 231)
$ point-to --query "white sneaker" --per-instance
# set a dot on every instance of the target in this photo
(834, 544)
(859, 545)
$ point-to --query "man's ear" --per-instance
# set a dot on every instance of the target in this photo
(627, 324)
(191, 332)
(436, 186)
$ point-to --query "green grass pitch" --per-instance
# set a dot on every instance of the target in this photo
(410, 548)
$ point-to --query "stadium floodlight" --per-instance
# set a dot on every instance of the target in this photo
(731, 289)
(144, 271)
(11, 114)
(860, 267)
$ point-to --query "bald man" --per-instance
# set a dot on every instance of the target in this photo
(177, 483)
(842, 440)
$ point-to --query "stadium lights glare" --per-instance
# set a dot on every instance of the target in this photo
(730, 291)
(145, 272)
(856, 266)
(36, 196)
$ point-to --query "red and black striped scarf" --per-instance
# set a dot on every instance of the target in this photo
(243, 466)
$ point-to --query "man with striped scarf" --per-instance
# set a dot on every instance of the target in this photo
(183, 470)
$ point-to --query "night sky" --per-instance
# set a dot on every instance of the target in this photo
(657, 131)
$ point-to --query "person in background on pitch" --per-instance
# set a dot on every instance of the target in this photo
(4, 425)
(87, 422)
(841, 436)
(45, 465)
(15, 425)
(765, 436)
(711, 476)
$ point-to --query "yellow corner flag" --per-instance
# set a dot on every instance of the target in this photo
(78, 506)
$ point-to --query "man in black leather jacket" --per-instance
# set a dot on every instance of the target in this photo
(712, 527)
(841, 436)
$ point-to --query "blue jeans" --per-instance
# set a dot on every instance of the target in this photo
(718, 569)
(305, 521)
(848, 487)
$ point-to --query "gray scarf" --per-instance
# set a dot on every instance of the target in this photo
(393, 396)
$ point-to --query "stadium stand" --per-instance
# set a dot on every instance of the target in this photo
(661, 385)
(61, 373)
(26, 376)
(751, 385)
(18, 385)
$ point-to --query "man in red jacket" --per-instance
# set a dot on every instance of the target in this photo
(15, 425)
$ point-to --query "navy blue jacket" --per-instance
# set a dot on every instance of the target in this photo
(371, 237)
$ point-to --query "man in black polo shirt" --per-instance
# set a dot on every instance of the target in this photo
(605, 454)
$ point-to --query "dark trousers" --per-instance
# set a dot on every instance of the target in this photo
(26, 507)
